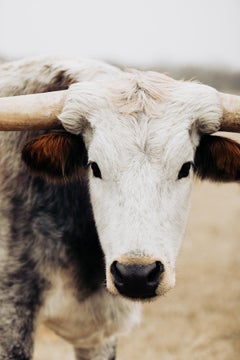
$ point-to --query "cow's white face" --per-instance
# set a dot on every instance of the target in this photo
(140, 203)
(141, 144)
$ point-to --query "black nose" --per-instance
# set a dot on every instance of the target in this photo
(137, 281)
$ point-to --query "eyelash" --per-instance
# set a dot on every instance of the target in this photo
(185, 169)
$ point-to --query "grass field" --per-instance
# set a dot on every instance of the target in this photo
(199, 319)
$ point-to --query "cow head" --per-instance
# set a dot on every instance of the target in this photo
(139, 139)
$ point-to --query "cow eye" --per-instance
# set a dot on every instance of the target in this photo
(184, 172)
(95, 169)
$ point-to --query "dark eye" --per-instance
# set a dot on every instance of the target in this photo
(184, 172)
(95, 169)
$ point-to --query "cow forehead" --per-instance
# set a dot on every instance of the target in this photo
(140, 103)
(150, 113)
(137, 98)
(135, 141)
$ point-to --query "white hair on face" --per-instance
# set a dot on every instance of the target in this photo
(82, 100)
(140, 128)
(128, 94)
(136, 91)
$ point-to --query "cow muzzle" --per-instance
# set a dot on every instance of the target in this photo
(139, 279)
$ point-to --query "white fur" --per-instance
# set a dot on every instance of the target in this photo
(140, 128)
(86, 323)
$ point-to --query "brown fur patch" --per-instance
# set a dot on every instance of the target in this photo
(218, 159)
(59, 156)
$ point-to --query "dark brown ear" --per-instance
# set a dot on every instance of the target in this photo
(58, 156)
(218, 159)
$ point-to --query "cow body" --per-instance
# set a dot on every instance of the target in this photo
(52, 265)
(75, 253)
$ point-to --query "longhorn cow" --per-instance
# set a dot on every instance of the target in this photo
(94, 228)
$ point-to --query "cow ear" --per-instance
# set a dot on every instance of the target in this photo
(58, 156)
(218, 159)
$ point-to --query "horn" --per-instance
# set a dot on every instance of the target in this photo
(231, 112)
(32, 112)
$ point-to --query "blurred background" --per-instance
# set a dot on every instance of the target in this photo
(188, 39)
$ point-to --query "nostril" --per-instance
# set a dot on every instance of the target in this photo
(155, 273)
(116, 273)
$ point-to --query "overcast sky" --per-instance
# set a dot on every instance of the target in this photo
(129, 32)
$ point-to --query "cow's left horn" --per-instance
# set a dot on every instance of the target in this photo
(231, 112)
(32, 112)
